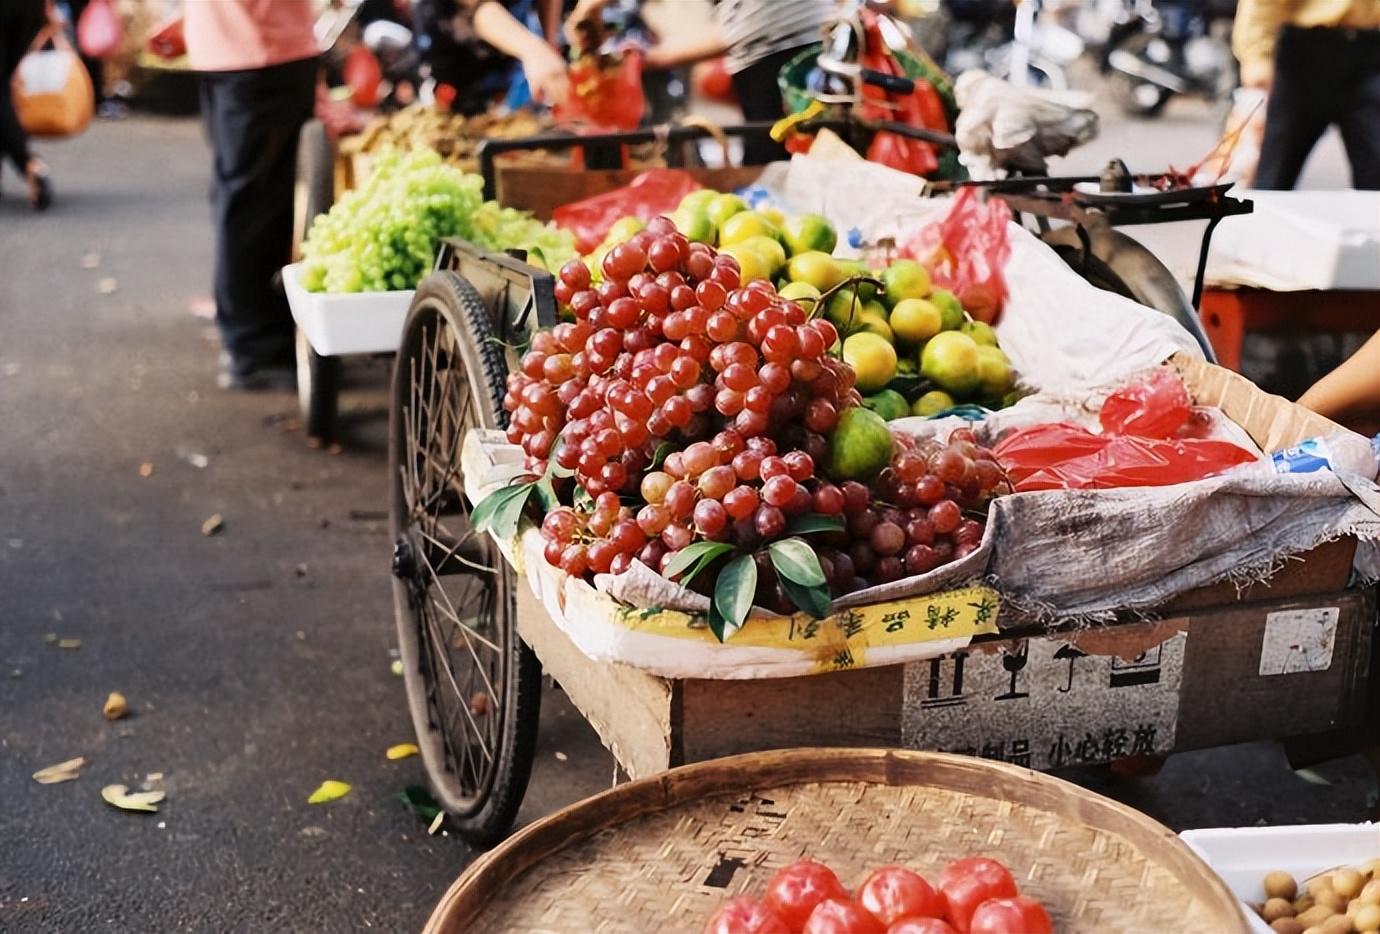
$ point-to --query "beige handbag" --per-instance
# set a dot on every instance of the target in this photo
(52, 91)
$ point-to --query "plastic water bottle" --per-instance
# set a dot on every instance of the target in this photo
(1343, 452)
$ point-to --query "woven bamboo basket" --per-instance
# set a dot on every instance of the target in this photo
(661, 854)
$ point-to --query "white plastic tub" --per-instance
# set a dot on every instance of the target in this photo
(1243, 855)
(345, 323)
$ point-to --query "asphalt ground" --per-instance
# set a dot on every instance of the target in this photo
(256, 661)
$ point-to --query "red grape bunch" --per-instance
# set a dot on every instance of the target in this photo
(911, 519)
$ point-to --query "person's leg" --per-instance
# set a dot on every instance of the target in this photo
(1360, 122)
(15, 37)
(1301, 105)
(254, 118)
(760, 97)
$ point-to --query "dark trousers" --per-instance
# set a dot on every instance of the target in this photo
(253, 119)
(1322, 77)
(760, 97)
(20, 21)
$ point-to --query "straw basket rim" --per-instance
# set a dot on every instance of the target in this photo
(467, 898)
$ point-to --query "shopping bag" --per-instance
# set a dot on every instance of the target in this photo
(653, 192)
(98, 30)
(605, 91)
(52, 91)
(966, 252)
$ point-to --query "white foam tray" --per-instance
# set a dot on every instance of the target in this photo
(1243, 855)
(346, 323)
(1300, 240)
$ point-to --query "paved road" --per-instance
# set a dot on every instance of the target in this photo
(257, 661)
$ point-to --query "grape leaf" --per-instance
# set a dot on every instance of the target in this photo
(796, 561)
(500, 511)
(813, 600)
(814, 522)
(663, 450)
(699, 554)
(733, 592)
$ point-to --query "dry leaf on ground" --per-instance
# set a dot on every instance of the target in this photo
(213, 525)
(121, 797)
(69, 643)
(115, 706)
(402, 751)
(146, 469)
(62, 772)
(330, 790)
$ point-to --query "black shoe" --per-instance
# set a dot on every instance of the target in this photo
(256, 379)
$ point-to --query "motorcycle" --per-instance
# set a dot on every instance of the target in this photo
(1015, 41)
(1154, 53)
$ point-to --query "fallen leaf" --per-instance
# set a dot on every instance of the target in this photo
(396, 667)
(561, 757)
(146, 469)
(62, 772)
(90, 261)
(121, 797)
(420, 802)
(213, 525)
(402, 751)
(115, 706)
(153, 777)
(69, 643)
(436, 822)
(108, 285)
(330, 790)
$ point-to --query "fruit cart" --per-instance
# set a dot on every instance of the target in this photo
(477, 623)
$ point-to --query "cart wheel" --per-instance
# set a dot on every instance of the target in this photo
(473, 686)
(318, 391)
(314, 192)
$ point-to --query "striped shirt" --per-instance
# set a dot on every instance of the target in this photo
(756, 29)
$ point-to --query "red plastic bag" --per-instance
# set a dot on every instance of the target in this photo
(363, 75)
(1144, 443)
(605, 91)
(922, 109)
(1066, 457)
(1156, 407)
(655, 191)
(967, 251)
(98, 30)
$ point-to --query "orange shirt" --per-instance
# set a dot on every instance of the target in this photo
(234, 35)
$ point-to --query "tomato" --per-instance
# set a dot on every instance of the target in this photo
(894, 892)
(840, 916)
(920, 926)
(745, 916)
(1016, 915)
(967, 883)
(795, 891)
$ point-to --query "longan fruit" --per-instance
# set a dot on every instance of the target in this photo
(1347, 883)
(1337, 924)
(1370, 892)
(1367, 918)
(1286, 926)
(1280, 884)
(1315, 916)
(1318, 884)
(1276, 908)
(1332, 899)
(1302, 904)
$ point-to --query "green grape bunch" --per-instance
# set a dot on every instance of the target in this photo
(383, 236)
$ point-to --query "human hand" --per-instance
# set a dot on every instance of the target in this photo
(546, 75)
(1257, 75)
(584, 10)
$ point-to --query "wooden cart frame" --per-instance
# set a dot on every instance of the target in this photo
(474, 641)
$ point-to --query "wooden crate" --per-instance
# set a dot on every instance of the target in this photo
(1209, 689)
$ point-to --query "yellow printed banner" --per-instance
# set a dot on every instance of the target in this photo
(842, 640)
